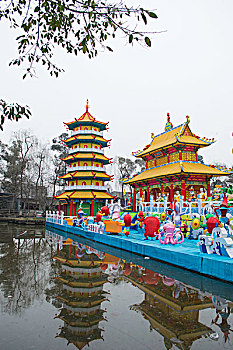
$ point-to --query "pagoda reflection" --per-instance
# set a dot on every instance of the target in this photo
(81, 294)
(171, 307)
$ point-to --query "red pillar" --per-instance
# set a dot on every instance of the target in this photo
(75, 207)
(134, 200)
(63, 208)
(171, 193)
(141, 192)
(180, 155)
(147, 194)
(161, 190)
(208, 188)
(183, 193)
(71, 207)
(92, 207)
(59, 207)
(196, 157)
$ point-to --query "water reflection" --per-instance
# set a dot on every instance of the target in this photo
(81, 294)
(151, 304)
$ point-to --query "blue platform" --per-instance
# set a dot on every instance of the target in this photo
(185, 255)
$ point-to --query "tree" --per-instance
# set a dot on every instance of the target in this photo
(76, 26)
(126, 168)
(200, 159)
(26, 172)
(60, 152)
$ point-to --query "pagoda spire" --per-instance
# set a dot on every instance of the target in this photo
(87, 105)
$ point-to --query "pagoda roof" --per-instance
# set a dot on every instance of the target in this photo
(86, 118)
(85, 155)
(84, 195)
(177, 167)
(86, 174)
(74, 139)
(172, 137)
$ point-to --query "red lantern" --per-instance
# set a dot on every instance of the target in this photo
(211, 223)
(105, 210)
(127, 220)
(98, 217)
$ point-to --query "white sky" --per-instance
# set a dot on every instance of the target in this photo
(188, 70)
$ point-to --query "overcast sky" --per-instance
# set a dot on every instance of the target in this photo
(188, 70)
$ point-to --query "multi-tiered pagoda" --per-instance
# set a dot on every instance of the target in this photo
(81, 295)
(172, 165)
(86, 162)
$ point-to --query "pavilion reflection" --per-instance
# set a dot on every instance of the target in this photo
(171, 307)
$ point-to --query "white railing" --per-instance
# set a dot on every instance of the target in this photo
(85, 187)
(55, 217)
(81, 132)
(81, 149)
(198, 206)
(95, 168)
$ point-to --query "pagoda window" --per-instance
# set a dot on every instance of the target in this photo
(150, 163)
(85, 164)
(72, 183)
(97, 165)
(189, 156)
(75, 146)
(86, 128)
(161, 160)
(95, 129)
(96, 146)
(85, 146)
(174, 157)
(84, 183)
(97, 183)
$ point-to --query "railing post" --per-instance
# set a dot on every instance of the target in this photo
(62, 216)
(199, 205)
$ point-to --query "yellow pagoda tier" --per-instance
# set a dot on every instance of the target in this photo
(172, 165)
(86, 176)
(81, 295)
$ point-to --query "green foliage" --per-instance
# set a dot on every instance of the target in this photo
(74, 25)
(12, 111)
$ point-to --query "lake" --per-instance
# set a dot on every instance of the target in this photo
(58, 291)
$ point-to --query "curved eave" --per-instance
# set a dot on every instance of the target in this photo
(84, 195)
(171, 138)
(76, 123)
(86, 174)
(87, 156)
(176, 168)
(172, 144)
(88, 139)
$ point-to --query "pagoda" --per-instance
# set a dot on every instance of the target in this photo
(81, 295)
(85, 164)
(172, 165)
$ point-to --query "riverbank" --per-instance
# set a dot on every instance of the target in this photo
(23, 220)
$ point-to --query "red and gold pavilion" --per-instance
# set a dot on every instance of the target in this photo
(172, 165)
(86, 162)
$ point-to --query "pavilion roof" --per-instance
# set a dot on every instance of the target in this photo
(84, 195)
(88, 174)
(172, 137)
(176, 168)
